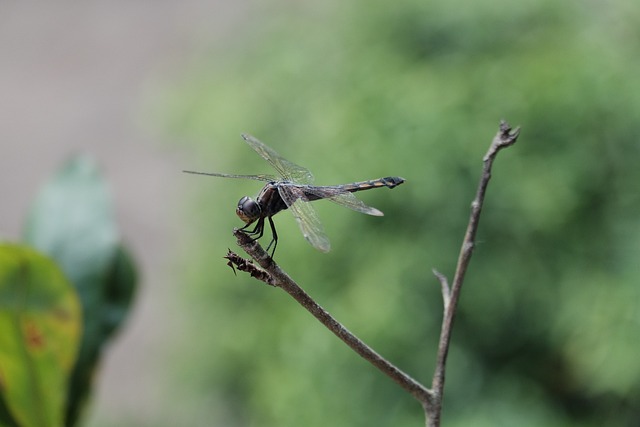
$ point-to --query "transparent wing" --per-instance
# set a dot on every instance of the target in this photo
(288, 170)
(306, 217)
(350, 201)
(340, 197)
(267, 178)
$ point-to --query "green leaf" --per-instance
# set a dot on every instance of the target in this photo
(120, 289)
(72, 221)
(40, 322)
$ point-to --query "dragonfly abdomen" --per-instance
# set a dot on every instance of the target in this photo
(389, 182)
(323, 192)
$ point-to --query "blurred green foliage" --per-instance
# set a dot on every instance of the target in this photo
(549, 323)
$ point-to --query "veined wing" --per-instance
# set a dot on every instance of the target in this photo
(350, 201)
(306, 217)
(267, 178)
(341, 197)
(288, 170)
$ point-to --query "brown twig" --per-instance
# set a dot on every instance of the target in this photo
(236, 261)
(283, 281)
(504, 138)
(431, 399)
(446, 290)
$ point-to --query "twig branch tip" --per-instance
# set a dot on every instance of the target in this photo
(236, 261)
(444, 283)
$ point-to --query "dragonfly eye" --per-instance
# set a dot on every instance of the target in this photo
(248, 210)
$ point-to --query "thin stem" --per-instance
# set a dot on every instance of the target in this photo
(277, 277)
(446, 290)
(504, 138)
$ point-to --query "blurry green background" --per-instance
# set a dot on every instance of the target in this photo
(548, 328)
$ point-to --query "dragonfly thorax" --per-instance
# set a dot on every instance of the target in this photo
(248, 210)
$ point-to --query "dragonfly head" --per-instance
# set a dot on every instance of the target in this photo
(248, 210)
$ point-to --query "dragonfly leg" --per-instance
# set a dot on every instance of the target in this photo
(274, 239)
(258, 232)
(258, 229)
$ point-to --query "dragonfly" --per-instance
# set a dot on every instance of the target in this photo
(292, 189)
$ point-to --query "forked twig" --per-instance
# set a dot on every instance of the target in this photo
(504, 138)
(431, 399)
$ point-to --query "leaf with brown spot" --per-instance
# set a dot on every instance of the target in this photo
(40, 325)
